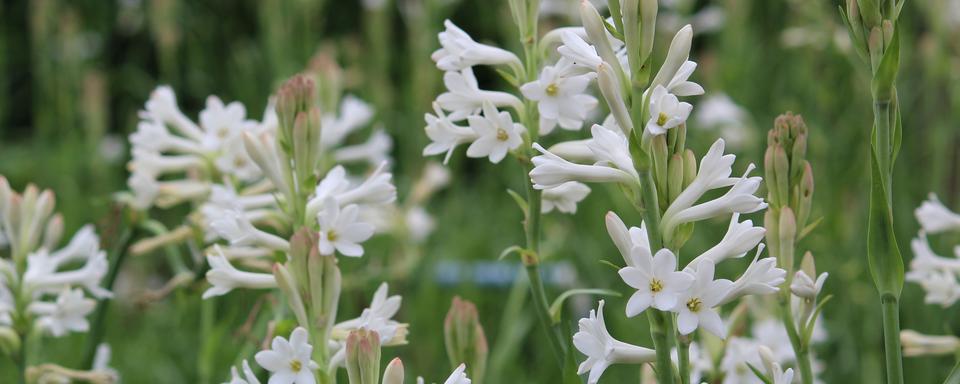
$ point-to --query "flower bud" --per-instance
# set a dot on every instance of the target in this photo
(788, 234)
(875, 46)
(53, 232)
(887, 27)
(689, 167)
(302, 244)
(306, 146)
(610, 88)
(9, 341)
(675, 178)
(767, 357)
(597, 34)
(394, 372)
(660, 155)
(771, 221)
(363, 357)
(648, 24)
(464, 338)
(769, 173)
(295, 96)
(869, 13)
(781, 180)
(805, 196)
(288, 285)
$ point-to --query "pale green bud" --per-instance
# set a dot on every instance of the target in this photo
(363, 357)
(394, 372)
(648, 27)
(464, 338)
(788, 235)
(597, 34)
(805, 196)
(288, 285)
(771, 221)
(689, 167)
(9, 341)
(610, 89)
(675, 178)
(781, 169)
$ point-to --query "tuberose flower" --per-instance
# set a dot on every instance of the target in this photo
(935, 217)
(564, 197)
(666, 111)
(696, 306)
(459, 51)
(603, 350)
(496, 132)
(656, 279)
(289, 360)
(560, 98)
(341, 230)
(223, 277)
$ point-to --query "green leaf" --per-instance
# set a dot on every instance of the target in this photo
(897, 126)
(511, 249)
(760, 375)
(610, 264)
(613, 30)
(510, 78)
(558, 302)
(883, 254)
(808, 328)
(521, 202)
(886, 74)
(810, 227)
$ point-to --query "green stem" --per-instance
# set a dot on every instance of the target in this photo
(661, 327)
(799, 349)
(891, 338)
(683, 355)
(22, 363)
(117, 256)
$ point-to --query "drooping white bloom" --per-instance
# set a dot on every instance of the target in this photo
(289, 360)
(223, 277)
(458, 51)
(656, 279)
(762, 277)
(611, 148)
(740, 238)
(918, 344)
(465, 98)
(803, 286)
(459, 376)
(247, 378)
(236, 227)
(680, 84)
(696, 306)
(666, 111)
(375, 151)
(560, 98)
(579, 51)
(379, 317)
(340, 229)
(68, 313)
(444, 135)
(602, 349)
(564, 197)
(577, 151)
(677, 56)
(496, 132)
(627, 240)
(935, 217)
(551, 171)
(738, 199)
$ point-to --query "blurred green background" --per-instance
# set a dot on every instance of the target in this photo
(75, 73)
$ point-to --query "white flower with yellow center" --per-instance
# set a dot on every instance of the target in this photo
(497, 134)
(560, 97)
(666, 111)
(656, 279)
(341, 230)
(696, 307)
(602, 349)
(289, 360)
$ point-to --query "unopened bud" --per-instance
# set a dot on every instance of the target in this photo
(689, 167)
(288, 285)
(808, 265)
(769, 174)
(610, 88)
(767, 357)
(788, 236)
(798, 156)
(675, 178)
(464, 338)
(597, 34)
(648, 23)
(660, 154)
(805, 196)
(302, 243)
(295, 96)
(781, 169)
(53, 232)
(306, 145)
(394, 372)
(363, 357)
(875, 46)
(771, 221)
(9, 341)
(887, 27)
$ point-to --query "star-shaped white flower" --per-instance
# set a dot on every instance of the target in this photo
(935, 217)
(666, 111)
(603, 350)
(497, 134)
(696, 306)
(458, 51)
(341, 230)
(560, 98)
(656, 279)
(68, 313)
(289, 360)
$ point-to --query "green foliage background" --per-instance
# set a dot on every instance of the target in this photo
(75, 74)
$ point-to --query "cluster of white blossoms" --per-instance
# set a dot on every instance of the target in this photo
(938, 275)
(45, 285)
(468, 115)
(61, 284)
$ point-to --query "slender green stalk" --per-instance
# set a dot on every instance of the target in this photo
(683, 357)
(891, 338)
(661, 327)
(800, 350)
(117, 256)
(22, 363)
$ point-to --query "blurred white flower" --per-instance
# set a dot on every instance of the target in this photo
(696, 307)
(68, 313)
(352, 115)
(374, 151)
(738, 353)
(718, 112)
(560, 97)
(459, 376)
(458, 51)
(379, 317)
(578, 51)
(289, 360)
(803, 286)
(223, 277)
(419, 223)
(666, 111)
(918, 344)
(656, 279)
(496, 132)
(935, 217)
(340, 229)
(564, 197)
(602, 350)
(444, 135)
(247, 378)
(43, 276)
(377, 189)
(101, 363)
(236, 227)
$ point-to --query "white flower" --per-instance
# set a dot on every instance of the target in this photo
(579, 51)
(740, 238)
(419, 223)
(247, 378)
(340, 229)
(677, 56)
(496, 132)
(353, 114)
(656, 279)
(803, 286)
(101, 363)
(154, 163)
(223, 277)
(564, 197)
(719, 112)
(68, 313)
(935, 217)
(289, 361)
(235, 226)
(377, 189)
(375, 151)
(575, 150)
(941, 286)
(696, 306)
(737, 199)
(42, 274)
(379, 317)
(162, 107)
(153, 135)
(627, 240)
(666, 111)
(560, 98)
(738, 353)
(444, 135)
(221, 122)
(918, 344)
(714, 172)
(458, 51)
(762, 277)
(464, 97)
(551, 171)
(603, 350)
(459, 376)
(611, 148)
(680, 85)
(781, 376)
